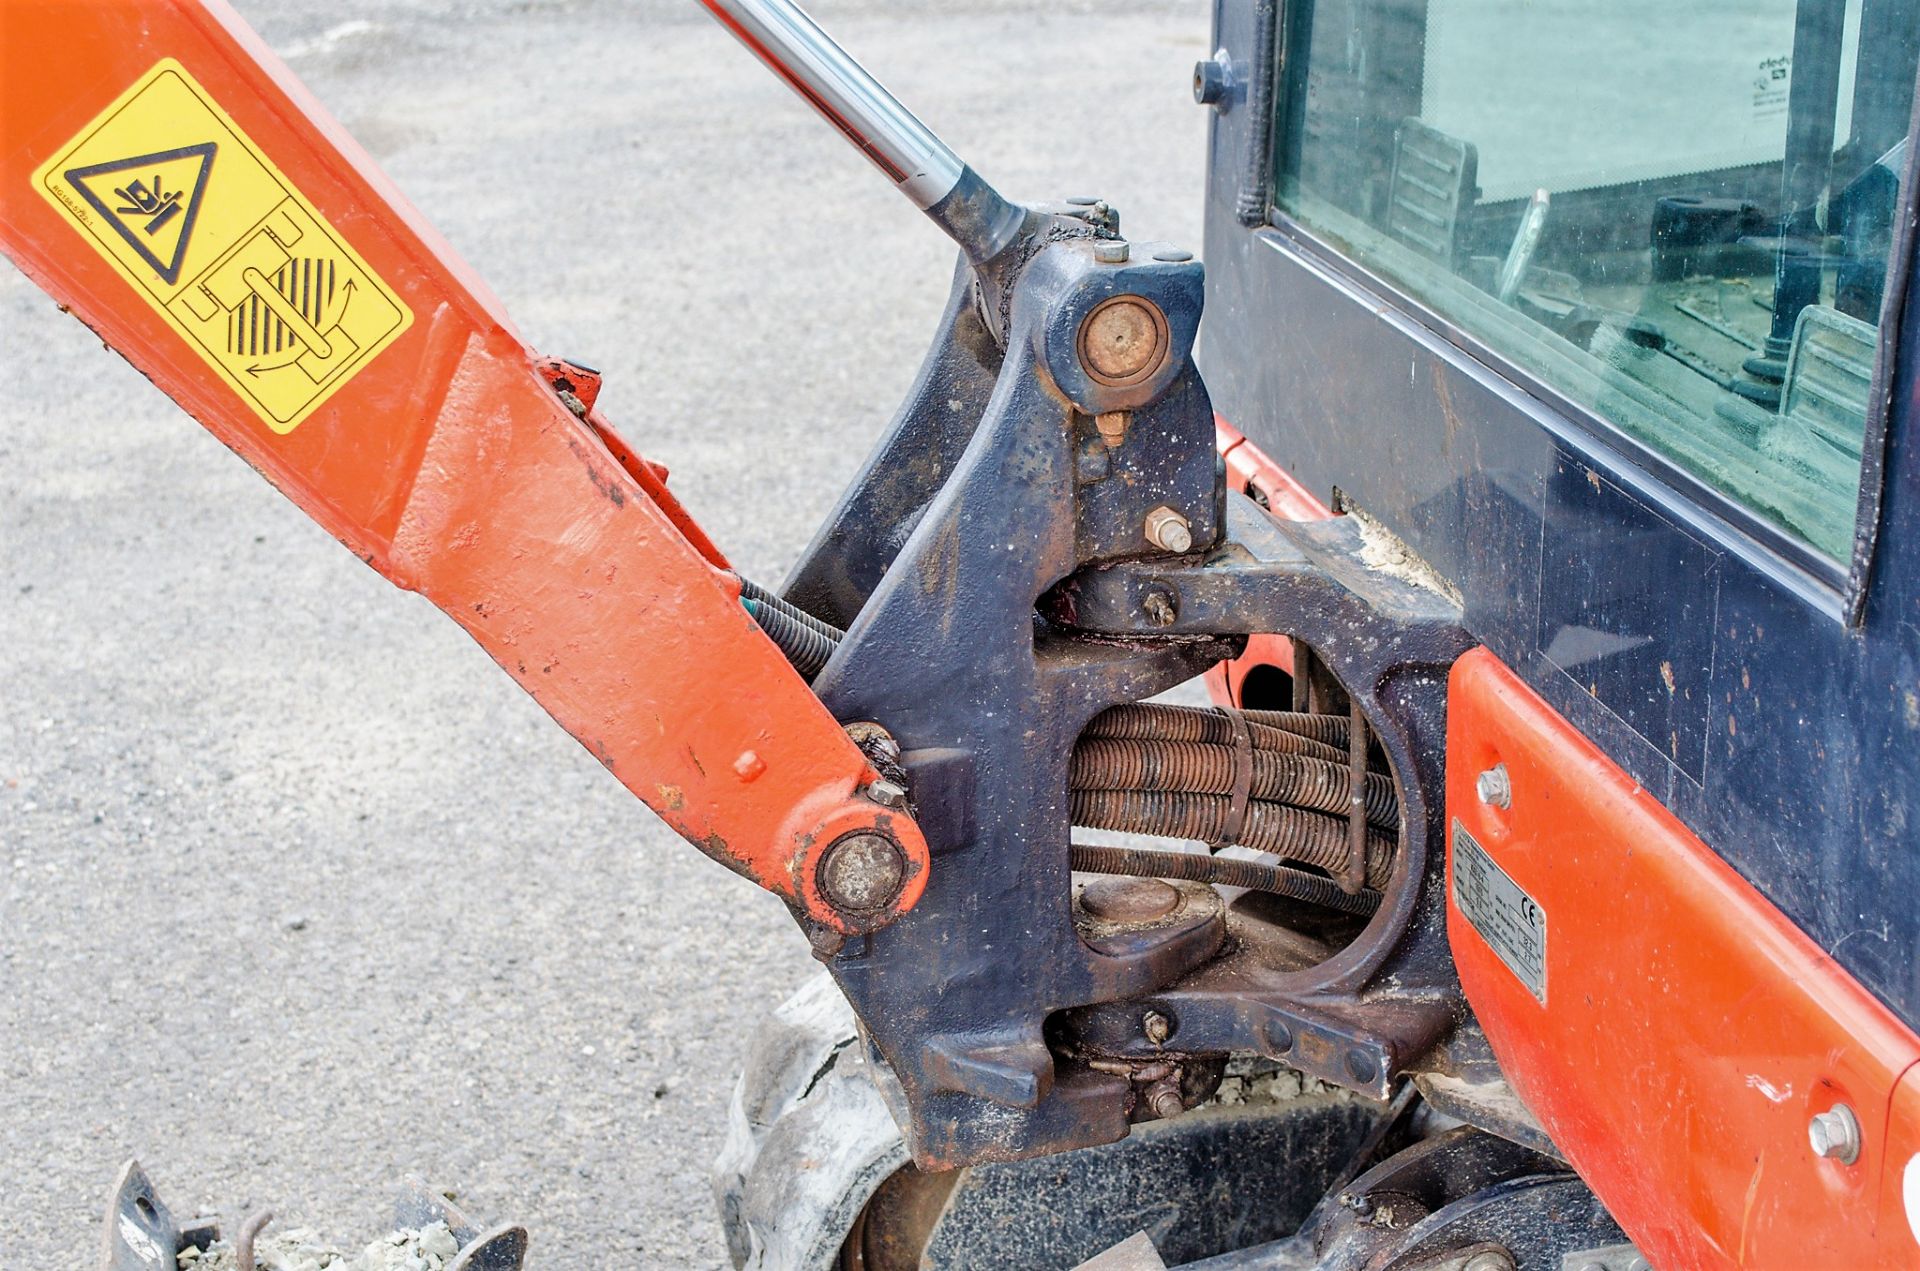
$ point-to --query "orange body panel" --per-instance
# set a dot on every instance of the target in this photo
(1249, 470)
(450, 465)
(1689, 1029)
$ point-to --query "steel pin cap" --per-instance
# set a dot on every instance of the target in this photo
(863, 872)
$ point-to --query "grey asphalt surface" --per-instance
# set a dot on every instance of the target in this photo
(298, 893)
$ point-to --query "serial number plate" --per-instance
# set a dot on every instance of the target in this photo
(1510, 921)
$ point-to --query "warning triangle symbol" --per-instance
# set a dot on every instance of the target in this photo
(151, 200)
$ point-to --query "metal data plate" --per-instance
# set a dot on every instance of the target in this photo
(1510, 921)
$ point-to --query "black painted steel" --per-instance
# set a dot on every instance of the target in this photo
(1436, 1203)
(996, 600)
(1788, 739)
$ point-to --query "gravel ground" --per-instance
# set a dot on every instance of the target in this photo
(297, 892)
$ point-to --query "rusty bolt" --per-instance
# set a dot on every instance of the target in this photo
(868, 735)
(1164, 1098)
(862, 872)
(1124, 340)
(1169, 531)
(1835, 1134)
(1160, 608)
(1113, 426)
(888, 794)
(1112, 251)
(1156, 1026)
(1490, 1260)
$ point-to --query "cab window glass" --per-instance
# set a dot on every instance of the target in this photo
(1678, 215)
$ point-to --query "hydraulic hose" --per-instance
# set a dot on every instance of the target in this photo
(1193, 868)
(1152, 721)
(1276, 828)
(1151, 768)
(806, 647)
(751, 590)
(1199, 768)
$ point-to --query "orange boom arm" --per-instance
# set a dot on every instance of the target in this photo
(166, 178)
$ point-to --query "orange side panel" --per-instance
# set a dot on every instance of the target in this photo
(444, 460)
(1249, 470)
(1689, 1030)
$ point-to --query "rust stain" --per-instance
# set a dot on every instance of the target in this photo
(1450, 418)
(1666, 676)
(1746, 1210)
(672, 798)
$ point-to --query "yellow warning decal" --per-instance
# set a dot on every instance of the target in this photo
(168, 188)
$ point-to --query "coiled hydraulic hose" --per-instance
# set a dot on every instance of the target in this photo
(1281, 829)
(807, 647)
(1171, 771)
(1225, 872)
(1152, 721)
(1198, 768)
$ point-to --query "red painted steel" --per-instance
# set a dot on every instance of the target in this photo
(1689, 1030)
(1250, 471)
(449, 464)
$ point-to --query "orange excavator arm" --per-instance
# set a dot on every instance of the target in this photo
(168, 180)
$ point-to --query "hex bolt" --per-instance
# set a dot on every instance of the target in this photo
(888, 794)
(1169, 531)
(1112, 251)
(1835, 1134)
(1112, 425)
(1164, 1098)
(1494, 787)
(862, 872)
(1160, 608)
(1490, 1260)
(1157, 1027)
(1213, 80)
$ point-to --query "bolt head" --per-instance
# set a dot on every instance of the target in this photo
(1156, 1027)
(1834, 1134)
(1211, 80)
(1112, 251)
(1164, 1098)
(1494, 787)
(1160, 609)
(862, 872)
(1490, 1260)
(888, 794)
(1169, 531)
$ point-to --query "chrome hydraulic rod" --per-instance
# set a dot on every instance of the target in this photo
(920, 165)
